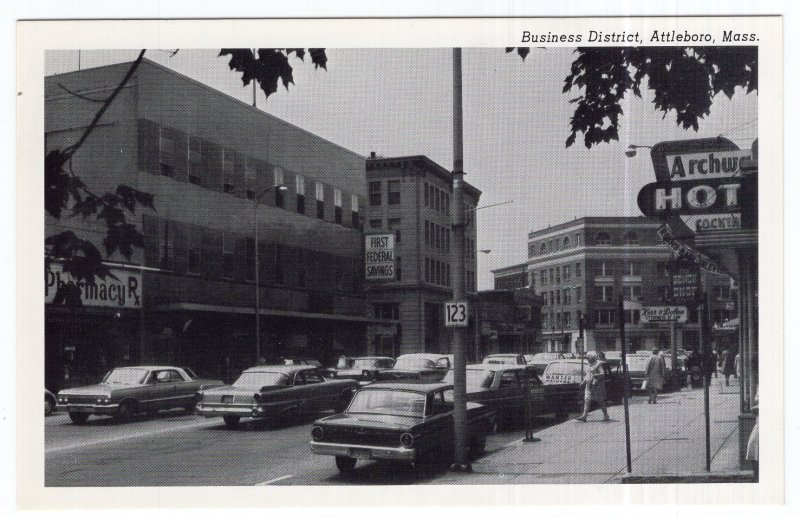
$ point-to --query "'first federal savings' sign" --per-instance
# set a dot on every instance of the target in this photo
(379, 256)
(124, 291)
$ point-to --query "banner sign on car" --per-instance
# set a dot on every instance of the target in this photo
(665, 313)
(379, 256)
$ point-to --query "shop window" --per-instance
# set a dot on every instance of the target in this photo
(632, 316)
(375, 193)
(605, 317)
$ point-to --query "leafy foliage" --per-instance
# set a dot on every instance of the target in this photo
(65, 194)
(684, 80)
(271, 65)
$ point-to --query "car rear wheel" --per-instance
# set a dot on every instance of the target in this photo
(345, 464)
(232, 421)
(48, 406)
(79, 418)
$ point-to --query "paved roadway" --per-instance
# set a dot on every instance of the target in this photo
(178, 449)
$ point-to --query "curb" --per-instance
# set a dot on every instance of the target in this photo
(737, 476)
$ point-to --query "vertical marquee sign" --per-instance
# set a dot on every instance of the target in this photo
(379, 259)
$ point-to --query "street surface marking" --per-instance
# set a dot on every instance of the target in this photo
(288, 476)
(141, 434)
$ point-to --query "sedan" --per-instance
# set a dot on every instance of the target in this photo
(417, 367)
(540, 361)
(411, 423)
(563, 380)
(504, 359)
(275, 392)
(360, 368)
(134, 389)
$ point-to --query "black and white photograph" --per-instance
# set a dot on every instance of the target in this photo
(530, 260)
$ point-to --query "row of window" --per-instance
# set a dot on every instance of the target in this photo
(198, 251)
(558, 296)
(392, 193)
(509, 282)
(563, 243)
(392, 224)
(172, 153)
(437, 236)
(556, 274)
(436, 198)
(437, 272)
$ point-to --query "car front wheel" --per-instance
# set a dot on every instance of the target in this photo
(232, 421)
(79, 418)
(48, 406)
(124, 413)
(345, 464)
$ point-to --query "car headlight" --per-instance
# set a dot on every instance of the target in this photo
(407, 440)
(317, 432)
(63, 400)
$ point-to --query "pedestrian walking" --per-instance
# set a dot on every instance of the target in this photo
(728, 366)
(594, 387)
(655, 372)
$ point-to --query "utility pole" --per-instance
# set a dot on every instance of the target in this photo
(460, 434)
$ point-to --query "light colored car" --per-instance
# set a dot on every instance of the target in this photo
(128, 390)
(505, 359)
(275, 392)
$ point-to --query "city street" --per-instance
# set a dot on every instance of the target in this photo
(177, 449)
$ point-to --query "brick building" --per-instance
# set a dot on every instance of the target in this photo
(205, 157)
(581, 267)
(411, 196)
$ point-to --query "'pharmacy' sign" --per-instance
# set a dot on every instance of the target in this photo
(379, 256)
(124, 291)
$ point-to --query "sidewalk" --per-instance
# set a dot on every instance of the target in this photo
(667, 445)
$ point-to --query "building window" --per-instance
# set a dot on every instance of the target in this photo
(552, 276)
(605, 292)
(427, 232)
(393, 192)
(337, 206)
(558, 320)
(387, 311)
(227, 255)
(578, 270)
(578, 240)
(606, 269)
(630, 239)
(427, 195)
(166, 244)
(634, 268)
(193, 161)
(427, 269)
(320, 191)
(447, 204)
(280, 278)
(375, 194)
(567, 296)
(543, 277)
(545, 320)
(632, 316)
(250, 179)
(227, 171)
(632, 292)
(578, 294)
(567, 273)
(280, 197)
(558, 297)
(531, 279)
(447, 239)
(567, 319)
(193, 250)
(604, 316)
(565, 245)
(558, 274)
(354, 210)
(394, 225)
(398, 269)
(375, 224)
(552, 298)
(166, 153)
(602, 238)
(543, 249)
(300, 188)
(664, 293)
(721, 292)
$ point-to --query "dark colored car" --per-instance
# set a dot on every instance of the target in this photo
(562, 380)
(539, 362)
(417, 367)
(49, 402)
(502, 387)
(504, 359)
(360, 368)
(134, 389)
(637, 366)
(406, 422)
(275, 392)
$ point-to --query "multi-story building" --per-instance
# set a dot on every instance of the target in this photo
(412, 197)
(207, 158)
(582, 267)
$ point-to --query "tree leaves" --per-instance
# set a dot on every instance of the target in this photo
(684, 80)
(270, 65)
(522, 51)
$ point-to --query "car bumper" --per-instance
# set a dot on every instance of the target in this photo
(105, 409)
(364, 452)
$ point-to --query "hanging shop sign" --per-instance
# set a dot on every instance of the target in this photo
(687, 254)
(695, 197)
(685, 284)
(379, 257)
(664, 313)
(123, 290)
(708, 165)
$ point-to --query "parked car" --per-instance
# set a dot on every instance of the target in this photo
(49, 402)
(360, 368)
(637, 366)
(406, 422)
(417, 367)
(540, 361)
(128, 390)
(502, 387)
(504, 359)
(275, 392)
(613, 357)
(297, 361)
(563, 377)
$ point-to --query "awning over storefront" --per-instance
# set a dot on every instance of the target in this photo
(199, 307)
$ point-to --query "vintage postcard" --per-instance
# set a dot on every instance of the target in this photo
(389, 260)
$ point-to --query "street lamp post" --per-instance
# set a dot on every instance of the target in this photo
(256, 198)
(631, 152)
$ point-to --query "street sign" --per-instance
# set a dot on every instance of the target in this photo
(665, 313)
(456, 314)
(379, 256)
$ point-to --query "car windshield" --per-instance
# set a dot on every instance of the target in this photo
(476, 379)
(388, 402)
(125, 376)
(413, 362)
(563, 369)
(360, 364)
(257, 379)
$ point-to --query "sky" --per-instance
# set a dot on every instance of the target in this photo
(398, 102)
